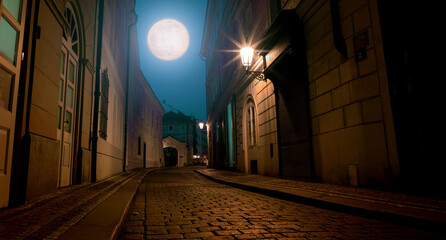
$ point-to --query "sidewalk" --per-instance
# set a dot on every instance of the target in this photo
(97, 209)
(404, 209)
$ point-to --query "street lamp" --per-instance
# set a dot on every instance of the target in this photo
(201, 125)
(247, 55)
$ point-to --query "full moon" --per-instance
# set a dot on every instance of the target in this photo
(168, 39)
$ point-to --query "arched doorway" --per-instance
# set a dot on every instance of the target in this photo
(171, 156)
(69, 65)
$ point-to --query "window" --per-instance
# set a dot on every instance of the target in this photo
(103, 112)
(170, 127)
(8, 41)
(10, 27)
(251, 124)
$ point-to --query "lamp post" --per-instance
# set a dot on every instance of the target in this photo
(247, 55)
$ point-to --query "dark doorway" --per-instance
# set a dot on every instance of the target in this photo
(414, 53)
(171, 156)
(289, 76)
(293, 121)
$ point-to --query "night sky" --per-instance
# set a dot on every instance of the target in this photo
(180, 82)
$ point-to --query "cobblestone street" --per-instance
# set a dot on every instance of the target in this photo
(178, 203)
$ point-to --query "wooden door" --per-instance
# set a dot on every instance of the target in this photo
(12, 24)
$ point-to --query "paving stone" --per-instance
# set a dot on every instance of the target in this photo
(199, 235)
(131, 236)
(182, 204)
(227, 232)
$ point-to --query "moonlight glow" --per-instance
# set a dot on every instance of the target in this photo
(168, 39)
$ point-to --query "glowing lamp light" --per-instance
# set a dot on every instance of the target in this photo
(201, 125)
(247, 53)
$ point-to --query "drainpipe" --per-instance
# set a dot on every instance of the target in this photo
(127, 82)
(97, 93)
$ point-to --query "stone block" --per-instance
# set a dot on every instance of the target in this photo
(334, 59)
(42, 122)
(364, 87)
(50, 27)
(368, 65)
(372, 110)
(324, 46)
(327, 82)
(331, 121)
(317, 69)
(347, 7)
(341, 96)
(347, 27)
(362, 146)
(348, 70)
(45, 93)
(322, 104)
(43, 167)
(350, 47)
(361, 19)
(48, 60)
(353, 114)
(316, 33)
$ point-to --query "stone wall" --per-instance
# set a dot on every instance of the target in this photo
(346, 96)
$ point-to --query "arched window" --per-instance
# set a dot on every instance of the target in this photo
(251, 116)
(70, 34)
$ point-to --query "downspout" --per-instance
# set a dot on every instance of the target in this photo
(97, 93)
(127, 82)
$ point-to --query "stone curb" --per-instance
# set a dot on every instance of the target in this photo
(119, 229)
(415, 218)
(94, 224)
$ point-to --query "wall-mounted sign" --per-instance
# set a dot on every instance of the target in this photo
(360, 43)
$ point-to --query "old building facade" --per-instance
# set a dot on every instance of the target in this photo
(184, 129)
(67, 69)
(346, 97)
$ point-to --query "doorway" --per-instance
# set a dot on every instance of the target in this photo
(171, 156)
(288, 73)
(67, 97)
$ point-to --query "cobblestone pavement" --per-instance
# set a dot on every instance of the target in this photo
(178, 203)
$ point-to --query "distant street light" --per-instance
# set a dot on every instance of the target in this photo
(247, 55)
(201, 125)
